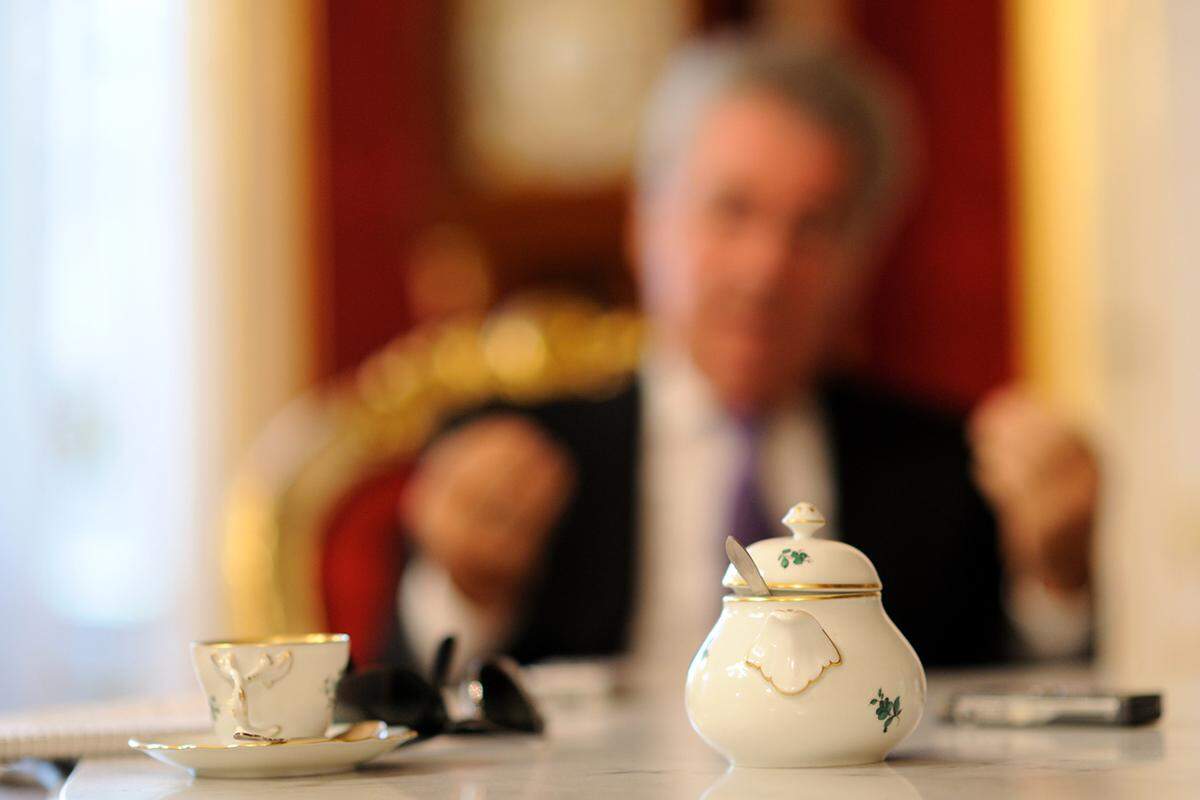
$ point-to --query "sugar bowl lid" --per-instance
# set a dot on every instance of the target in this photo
(804, 565)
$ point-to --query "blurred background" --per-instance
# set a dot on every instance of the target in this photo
(208, 209)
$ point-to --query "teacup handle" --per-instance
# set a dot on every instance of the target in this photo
(268, 671)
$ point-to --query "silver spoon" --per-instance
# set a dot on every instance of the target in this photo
(746, 567)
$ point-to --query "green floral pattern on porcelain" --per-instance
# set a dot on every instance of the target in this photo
(886, 708)
(789, 556)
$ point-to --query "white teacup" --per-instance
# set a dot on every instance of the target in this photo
(280, 686)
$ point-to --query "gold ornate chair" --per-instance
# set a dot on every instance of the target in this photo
(310, 539)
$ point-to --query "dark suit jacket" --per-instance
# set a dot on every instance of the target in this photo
(904, 498)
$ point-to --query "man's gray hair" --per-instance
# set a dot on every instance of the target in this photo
(840, 90)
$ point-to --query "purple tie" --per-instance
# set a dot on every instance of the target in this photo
(748, 520)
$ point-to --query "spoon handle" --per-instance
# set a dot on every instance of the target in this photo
(746, 567)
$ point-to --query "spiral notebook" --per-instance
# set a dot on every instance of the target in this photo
(97, 729)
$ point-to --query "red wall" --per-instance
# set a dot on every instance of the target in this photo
(941, 316)
(380, 102)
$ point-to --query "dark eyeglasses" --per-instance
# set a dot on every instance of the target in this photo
(400, 696)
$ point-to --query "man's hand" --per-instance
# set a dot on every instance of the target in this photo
(1042, 481)
(482, 501)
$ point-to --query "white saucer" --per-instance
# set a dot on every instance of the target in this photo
(205, 756)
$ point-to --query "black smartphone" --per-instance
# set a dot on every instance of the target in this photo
(1032, 706)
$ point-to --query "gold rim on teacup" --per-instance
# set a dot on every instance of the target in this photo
(279, 640)
(805, 587)
(795, 598)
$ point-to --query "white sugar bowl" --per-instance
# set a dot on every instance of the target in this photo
(813, 674)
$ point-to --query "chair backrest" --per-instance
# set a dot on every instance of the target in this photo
(335, 458)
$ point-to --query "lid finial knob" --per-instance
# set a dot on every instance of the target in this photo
(804, 519)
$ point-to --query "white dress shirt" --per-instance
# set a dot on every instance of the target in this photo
(689, 446)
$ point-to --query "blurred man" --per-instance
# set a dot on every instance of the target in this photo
(766, 178)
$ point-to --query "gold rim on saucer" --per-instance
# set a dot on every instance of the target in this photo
(398, 735)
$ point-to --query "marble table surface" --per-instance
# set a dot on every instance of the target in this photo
(642, 747)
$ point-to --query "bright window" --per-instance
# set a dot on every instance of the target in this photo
(97, 358)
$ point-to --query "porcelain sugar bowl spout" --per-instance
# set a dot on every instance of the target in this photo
(808, 670)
